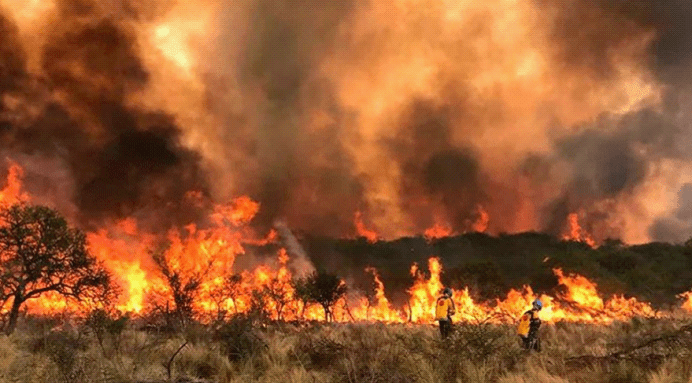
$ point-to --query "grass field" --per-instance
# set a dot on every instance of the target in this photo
(642, 350)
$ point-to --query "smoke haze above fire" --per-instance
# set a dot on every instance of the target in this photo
(505, 115)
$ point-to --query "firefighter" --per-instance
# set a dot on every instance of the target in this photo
(444, 310)
(529, 323)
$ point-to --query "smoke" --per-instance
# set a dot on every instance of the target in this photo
(677, 227)
(12, 60)
(123, 159)
(411, 112)
(300, 261)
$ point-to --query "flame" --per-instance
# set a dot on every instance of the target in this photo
(209, 253)
(362, 231)
(576, 233)
(379, 309)
(687, 303)
(439, 230)
(481, 223)
(12, 192)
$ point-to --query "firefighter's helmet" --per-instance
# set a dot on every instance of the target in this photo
(537, 304)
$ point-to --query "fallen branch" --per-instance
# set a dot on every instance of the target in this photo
(170, 362)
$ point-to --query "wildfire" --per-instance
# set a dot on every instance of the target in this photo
(575, 231)
(482, 220)
(378, 308)
(12, 193)
(362, 231)
(687, 304)
(439, 230)
(203, 258)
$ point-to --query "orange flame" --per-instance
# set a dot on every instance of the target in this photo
(12, 192)
(210, 253)
(687, 304)
(439, 230)
(482, 221)
(381, 309)
(576, 233)
(362, 231)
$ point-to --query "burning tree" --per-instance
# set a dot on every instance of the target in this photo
(40, 253)
(184, 286)
(226, 291)
(323, 288)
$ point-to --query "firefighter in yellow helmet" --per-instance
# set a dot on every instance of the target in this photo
(529, 323)
(444, 310)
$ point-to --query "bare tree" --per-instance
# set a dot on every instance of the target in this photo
(39, 253)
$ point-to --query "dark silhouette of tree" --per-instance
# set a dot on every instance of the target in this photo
(323, 288)
(229, 289)
(184, 284)
(301, 291)
(40, 253)
(276, 290)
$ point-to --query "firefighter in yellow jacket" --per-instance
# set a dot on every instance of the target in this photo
(444, 310)
(529, 323)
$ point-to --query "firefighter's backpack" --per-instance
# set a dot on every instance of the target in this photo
(442, 308)
(524, 325)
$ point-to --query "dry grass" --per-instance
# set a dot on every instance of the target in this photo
(246, 352)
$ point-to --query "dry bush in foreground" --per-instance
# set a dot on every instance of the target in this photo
(242, 350)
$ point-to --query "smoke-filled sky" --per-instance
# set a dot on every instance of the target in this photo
(412, 112)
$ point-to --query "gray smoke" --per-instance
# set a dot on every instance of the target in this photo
(299, 260)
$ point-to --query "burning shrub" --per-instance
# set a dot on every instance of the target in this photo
(183, 287)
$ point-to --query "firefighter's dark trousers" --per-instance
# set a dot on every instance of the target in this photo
(445, 328)
(531, 343)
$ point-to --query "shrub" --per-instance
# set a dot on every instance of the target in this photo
(321, 352)
(63, 348)
(239, 339)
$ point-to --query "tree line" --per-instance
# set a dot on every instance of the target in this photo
(41, 253)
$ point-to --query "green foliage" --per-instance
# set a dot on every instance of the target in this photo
(491, 265)
(483, 279)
